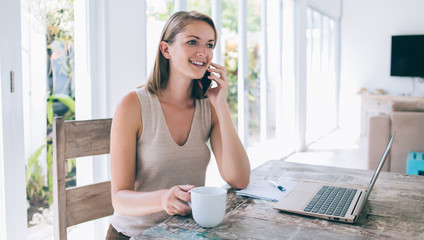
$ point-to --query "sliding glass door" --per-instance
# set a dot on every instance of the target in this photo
(321, 114)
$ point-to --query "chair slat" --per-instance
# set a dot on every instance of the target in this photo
(89, 202)
(87, 138)
(73, 139)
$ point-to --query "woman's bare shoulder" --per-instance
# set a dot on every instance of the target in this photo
(129, 104)
(130, 100)
(128, 110)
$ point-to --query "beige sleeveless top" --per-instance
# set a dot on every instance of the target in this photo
(162, 163)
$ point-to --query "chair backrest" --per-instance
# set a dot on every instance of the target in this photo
(75, 205)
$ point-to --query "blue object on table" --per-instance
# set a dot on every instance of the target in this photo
(415, 163)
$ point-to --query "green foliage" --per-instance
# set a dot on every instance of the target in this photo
(230, 56)
(202, 6)
(58, 19)
(68, 101)
(49, 171)
(35, 178)
(231, 64)
(59, 22)
(254, 16)
(159, 15)
(36, 191)
(230, 15)
(71, 175)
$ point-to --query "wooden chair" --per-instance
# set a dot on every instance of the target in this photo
(71, 206)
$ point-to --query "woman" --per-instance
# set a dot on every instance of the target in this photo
(160, 131)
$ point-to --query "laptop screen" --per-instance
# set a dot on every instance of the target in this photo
(378, 170)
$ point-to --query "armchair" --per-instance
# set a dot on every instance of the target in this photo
(407, 120)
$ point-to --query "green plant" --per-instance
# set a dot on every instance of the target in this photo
(35, 178)
(230, 56)
(202, 6)
(36, 190)
(156, 14)
(59, 22)
(60, 40)
(58, 18)
(69, 102)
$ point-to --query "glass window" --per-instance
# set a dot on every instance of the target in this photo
(274, 44)
(229, 50)
(157, 12)
(286, 130)
(321, 77)
(273, 73)
(254, 70)
(202, 6)
(48, 91)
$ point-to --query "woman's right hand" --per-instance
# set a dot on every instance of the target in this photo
(174, 201)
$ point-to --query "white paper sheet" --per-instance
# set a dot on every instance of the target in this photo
(266, 191)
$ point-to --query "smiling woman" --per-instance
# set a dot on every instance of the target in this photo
(161, 69)
(194, 47)
(160, 131)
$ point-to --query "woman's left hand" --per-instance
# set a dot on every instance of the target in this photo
(231, 158)
(218, 95)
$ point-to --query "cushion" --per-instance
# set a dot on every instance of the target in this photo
(415, 106)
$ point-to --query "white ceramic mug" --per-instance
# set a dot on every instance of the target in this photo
(208, 205)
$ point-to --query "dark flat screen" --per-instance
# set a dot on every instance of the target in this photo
(407, 56)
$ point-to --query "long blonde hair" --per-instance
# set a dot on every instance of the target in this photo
(158, 78)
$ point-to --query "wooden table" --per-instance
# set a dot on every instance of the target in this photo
(394, 210)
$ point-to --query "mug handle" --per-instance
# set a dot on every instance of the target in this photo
(189, 192)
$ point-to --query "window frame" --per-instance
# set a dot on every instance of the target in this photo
(12, 161)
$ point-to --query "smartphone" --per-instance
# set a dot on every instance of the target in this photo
(206, 82)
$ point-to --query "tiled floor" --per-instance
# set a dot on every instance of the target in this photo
(337, 149)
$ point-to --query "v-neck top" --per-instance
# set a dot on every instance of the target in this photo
(161, 163)
(163, 120)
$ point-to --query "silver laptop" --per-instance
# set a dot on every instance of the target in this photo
(330, 201)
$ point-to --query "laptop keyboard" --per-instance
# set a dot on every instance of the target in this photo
(330, 200)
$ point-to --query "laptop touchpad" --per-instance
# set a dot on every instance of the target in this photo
(294, 201)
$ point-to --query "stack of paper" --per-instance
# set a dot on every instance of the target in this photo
(266, 191)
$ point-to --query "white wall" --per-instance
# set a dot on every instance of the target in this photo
(331, 8)
(34, 82)
(126, 48)
(366, 30)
